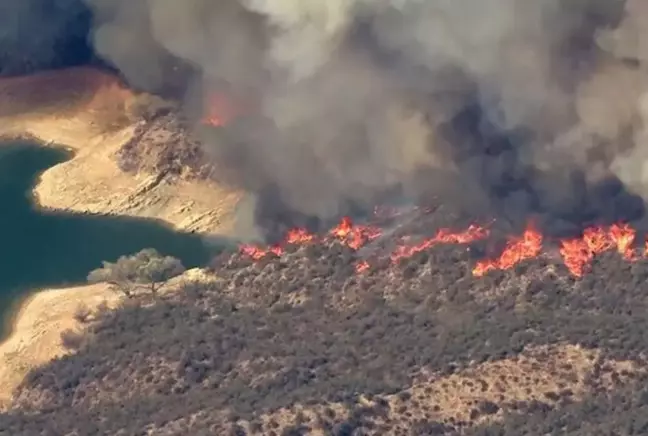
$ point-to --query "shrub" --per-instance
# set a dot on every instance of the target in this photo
(147, 270)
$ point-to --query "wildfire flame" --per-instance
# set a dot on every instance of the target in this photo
(299, 236)
(577, 253)
(443, 236)
(517, 250)
(623, 237)
(354, 236)
(256, 252)
(220, 110)
(362, 266)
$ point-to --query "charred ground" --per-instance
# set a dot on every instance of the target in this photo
(299, 343)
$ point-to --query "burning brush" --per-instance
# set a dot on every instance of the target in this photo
(222, 108)
(577, 253)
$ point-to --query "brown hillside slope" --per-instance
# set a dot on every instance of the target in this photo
(89, 112)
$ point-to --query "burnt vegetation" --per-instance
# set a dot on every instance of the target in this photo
(301, 343)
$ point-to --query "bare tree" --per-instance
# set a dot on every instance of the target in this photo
(147, 270)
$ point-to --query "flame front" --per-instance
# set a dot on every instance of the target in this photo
(346, 233)
(299, 236)
(443, 236)
(528, 246)
(354, 236)
(256, 252)
(220, 110)
(577, 253)
(623, 237)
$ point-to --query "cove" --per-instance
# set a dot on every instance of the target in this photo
(44, 249)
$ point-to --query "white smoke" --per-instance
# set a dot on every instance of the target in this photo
(348, 125)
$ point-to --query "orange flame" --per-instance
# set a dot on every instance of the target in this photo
(362, 266)
(220, 110)
(256, 252)
(577, 253)
(299, 236)
(354, 236)
(517, 250)
(443, 236)
(623, 237)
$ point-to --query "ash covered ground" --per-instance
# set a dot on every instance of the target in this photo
(302, 344)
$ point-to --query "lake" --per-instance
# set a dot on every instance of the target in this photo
(43, 249)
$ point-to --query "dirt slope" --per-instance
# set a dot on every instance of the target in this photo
(89, 112)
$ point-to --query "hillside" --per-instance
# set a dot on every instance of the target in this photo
(303, 341)
(302, 344)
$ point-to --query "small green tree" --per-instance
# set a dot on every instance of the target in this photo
(147, 270)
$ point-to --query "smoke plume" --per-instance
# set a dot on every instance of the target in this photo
(508, 107)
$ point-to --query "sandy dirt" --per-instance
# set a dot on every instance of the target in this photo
(88, 112)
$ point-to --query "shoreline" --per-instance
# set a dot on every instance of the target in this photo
(82, 111)
(37, 321)
(90, 114)
(69, 151)
(182, 198)
(18, 304)
(14, 312)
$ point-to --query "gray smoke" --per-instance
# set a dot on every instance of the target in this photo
(627, 94)
(360, 95)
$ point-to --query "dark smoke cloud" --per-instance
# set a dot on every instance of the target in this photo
(506, 106)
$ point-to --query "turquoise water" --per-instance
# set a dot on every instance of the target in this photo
(42, 249)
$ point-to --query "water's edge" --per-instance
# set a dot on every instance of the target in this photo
(57, 248)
